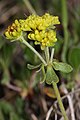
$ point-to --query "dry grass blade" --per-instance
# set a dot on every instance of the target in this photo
(12, 11)
(8, 10)
(49, 113)
(70, 103)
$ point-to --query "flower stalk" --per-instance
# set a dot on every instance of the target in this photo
(47, 54)
(52, 54)
(59, 101)
(29, 46)
(54, 84)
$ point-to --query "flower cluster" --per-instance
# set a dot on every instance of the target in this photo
(41, 29)
(45, 38)
(13, 31)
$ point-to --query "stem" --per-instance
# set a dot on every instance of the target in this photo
(47, 54)
(29, 46)
(29, 6)
(59, 100)
(52, 54)
(65, 24)
(56, 88)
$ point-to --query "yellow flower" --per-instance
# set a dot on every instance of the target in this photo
(38, 28)
(13, 31)
(51, 20)
(43, 38)
(42, 29)
(24, 25)
(34, 22)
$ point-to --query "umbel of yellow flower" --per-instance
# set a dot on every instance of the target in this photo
(39, 28)
(44, 38)
(13, 31)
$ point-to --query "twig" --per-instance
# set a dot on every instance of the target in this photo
(54, 108)
(13, 88)
(55, 112)
(34, 117)
(44, 104)
(70, 103)
(51, 108)
(72, 92)
(49, 112)
(55, 116)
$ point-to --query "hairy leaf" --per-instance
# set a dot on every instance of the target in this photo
(32, 66)
(63, 67)
(51, 75)
(43, 74)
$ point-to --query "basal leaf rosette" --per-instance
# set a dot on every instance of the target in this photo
(13, 31)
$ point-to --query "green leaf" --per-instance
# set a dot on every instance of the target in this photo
(43, 74)
(19, 104)
(6, 77)
(51, 76)
(6, 107)
(2, 41)
(6, 54)
(14, 116)
(1, 115)
(32, 66)
(74, 57)
(63, 67)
